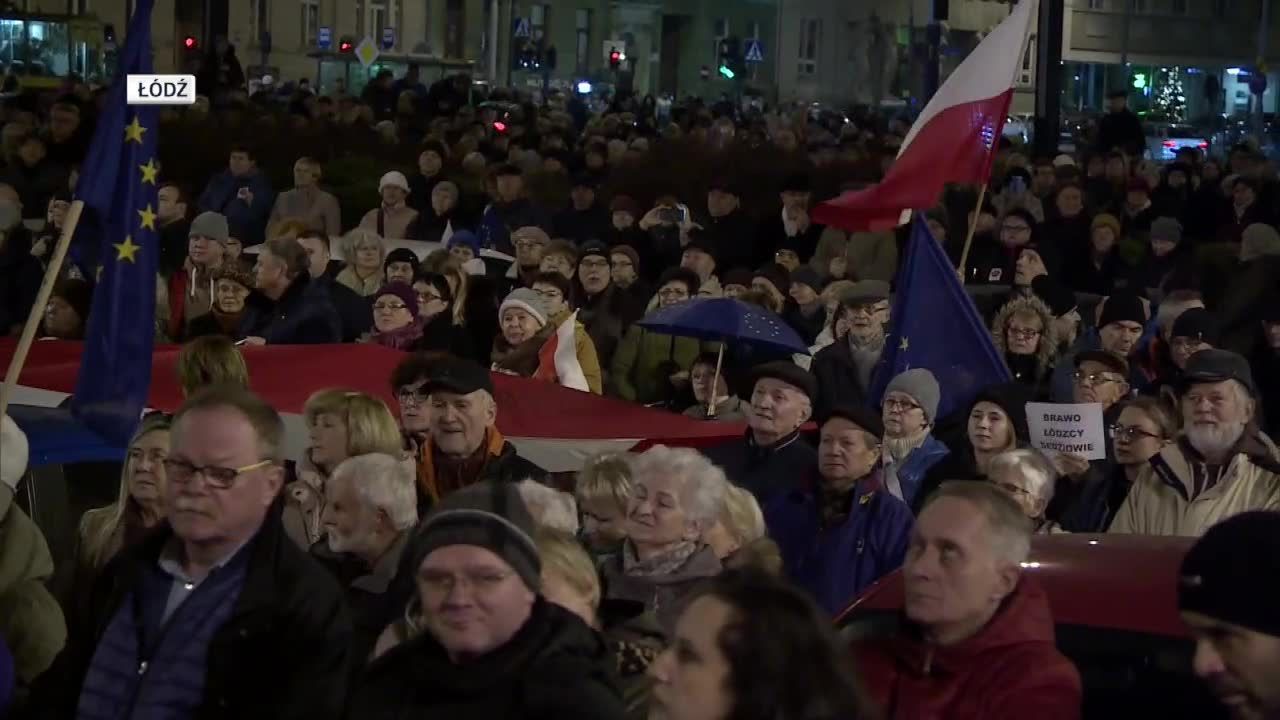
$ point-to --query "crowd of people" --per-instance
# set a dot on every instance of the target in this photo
(411, 561)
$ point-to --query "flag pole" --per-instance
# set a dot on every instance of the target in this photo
(715, 383)
(973, 228)
(42, 299)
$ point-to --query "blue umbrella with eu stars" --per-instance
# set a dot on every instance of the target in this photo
(725, 320)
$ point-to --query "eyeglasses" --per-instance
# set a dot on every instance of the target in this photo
(894, 405)
(595, 264)
(868, 310)
(181, 471)
(390, 306)
(1093, 379)
(1014, 489)
(549, 294)
(1131, 433)
(426, 297)
(415, 396)
(442, 583)
(1024, 333)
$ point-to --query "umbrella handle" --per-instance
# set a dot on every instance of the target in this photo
(715, 383)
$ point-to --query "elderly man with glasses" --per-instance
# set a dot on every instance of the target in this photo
(199, 618)
(844, 367)
(1219, 467)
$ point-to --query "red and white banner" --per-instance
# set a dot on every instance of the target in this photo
(555, 427)
(558, 357)
(951, 141)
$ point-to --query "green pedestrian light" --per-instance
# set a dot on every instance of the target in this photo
(725, 71)
(1139, 81)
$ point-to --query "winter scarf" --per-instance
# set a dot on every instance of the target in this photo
(668, 563)
(404, 338)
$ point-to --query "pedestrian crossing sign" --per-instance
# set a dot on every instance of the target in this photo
(522, 28)
(755, 51)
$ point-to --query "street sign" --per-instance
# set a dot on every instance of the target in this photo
(755, 51)
(324, 37)
(367, 52)
(522, 28)
(388, 38)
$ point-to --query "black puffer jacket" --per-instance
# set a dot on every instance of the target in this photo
(304, 315)
(554, 668)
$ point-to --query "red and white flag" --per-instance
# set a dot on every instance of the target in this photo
(560, 355)
(951, 141)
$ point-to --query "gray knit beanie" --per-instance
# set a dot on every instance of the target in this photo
(527, 300)
(921, 385)
(488, 515)
(1166, 228)
(211, 225)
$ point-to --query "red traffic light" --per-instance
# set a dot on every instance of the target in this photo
(189, 42)
(500, 126)
(344, 46)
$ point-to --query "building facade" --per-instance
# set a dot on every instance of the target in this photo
(666, 44)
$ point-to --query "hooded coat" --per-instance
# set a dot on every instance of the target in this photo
(1009, 670)
(1035, 375)
(553, 667)
(31, 621)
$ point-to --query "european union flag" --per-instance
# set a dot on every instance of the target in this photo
(935, 325)
(118, 237)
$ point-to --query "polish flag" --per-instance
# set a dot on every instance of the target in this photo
(558, 357)
(951, 141)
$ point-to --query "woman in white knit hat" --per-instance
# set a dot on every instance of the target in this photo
(393, 217)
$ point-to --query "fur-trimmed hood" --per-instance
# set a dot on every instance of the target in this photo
(1046, 351)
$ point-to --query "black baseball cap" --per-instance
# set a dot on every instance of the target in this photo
(455, 375)
(1213, 365)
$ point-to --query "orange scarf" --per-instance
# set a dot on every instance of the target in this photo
(427, 481)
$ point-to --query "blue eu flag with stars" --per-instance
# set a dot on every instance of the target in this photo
(117, 241)
(935, 325)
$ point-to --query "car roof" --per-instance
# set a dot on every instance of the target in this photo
(1120, 582)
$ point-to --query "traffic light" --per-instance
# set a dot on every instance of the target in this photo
(190, 43)
(730, 56)
(615, 58)
(346, 45)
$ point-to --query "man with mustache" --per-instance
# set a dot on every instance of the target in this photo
(1220, 466)
(199, 618)
(1228, 596)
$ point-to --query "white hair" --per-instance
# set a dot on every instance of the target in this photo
(704, 485)
(385, 483)
(1031, 465)
(1010, 527)
(1217, 440)
(550, 508)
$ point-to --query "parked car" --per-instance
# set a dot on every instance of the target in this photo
(1115, 610)
(1164, 141)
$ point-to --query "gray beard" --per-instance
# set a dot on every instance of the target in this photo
(896, 449)
(875, 344)
(1214, 442)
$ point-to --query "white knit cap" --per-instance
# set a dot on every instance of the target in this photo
(527, 300)
(13, 453)
(395, 178)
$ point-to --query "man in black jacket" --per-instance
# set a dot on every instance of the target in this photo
(216, 613)
(355, 311)
(491, 646)
(771, 455)
(1120, 127)
(286, 308)
(844, 368)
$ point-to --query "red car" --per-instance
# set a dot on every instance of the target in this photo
(1115, 608)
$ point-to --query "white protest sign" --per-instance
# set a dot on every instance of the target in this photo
(1076, 429)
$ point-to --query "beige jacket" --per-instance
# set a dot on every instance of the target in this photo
(1159, 502)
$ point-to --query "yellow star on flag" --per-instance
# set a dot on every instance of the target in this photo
(133, 131)
(127, 250)
(904, 344)
(148, 217)
(149, 171)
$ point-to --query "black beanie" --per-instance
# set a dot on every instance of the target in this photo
(400, 255)
(1232, 573)
(1012, 398)
(488, 515)
(1123, 307)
